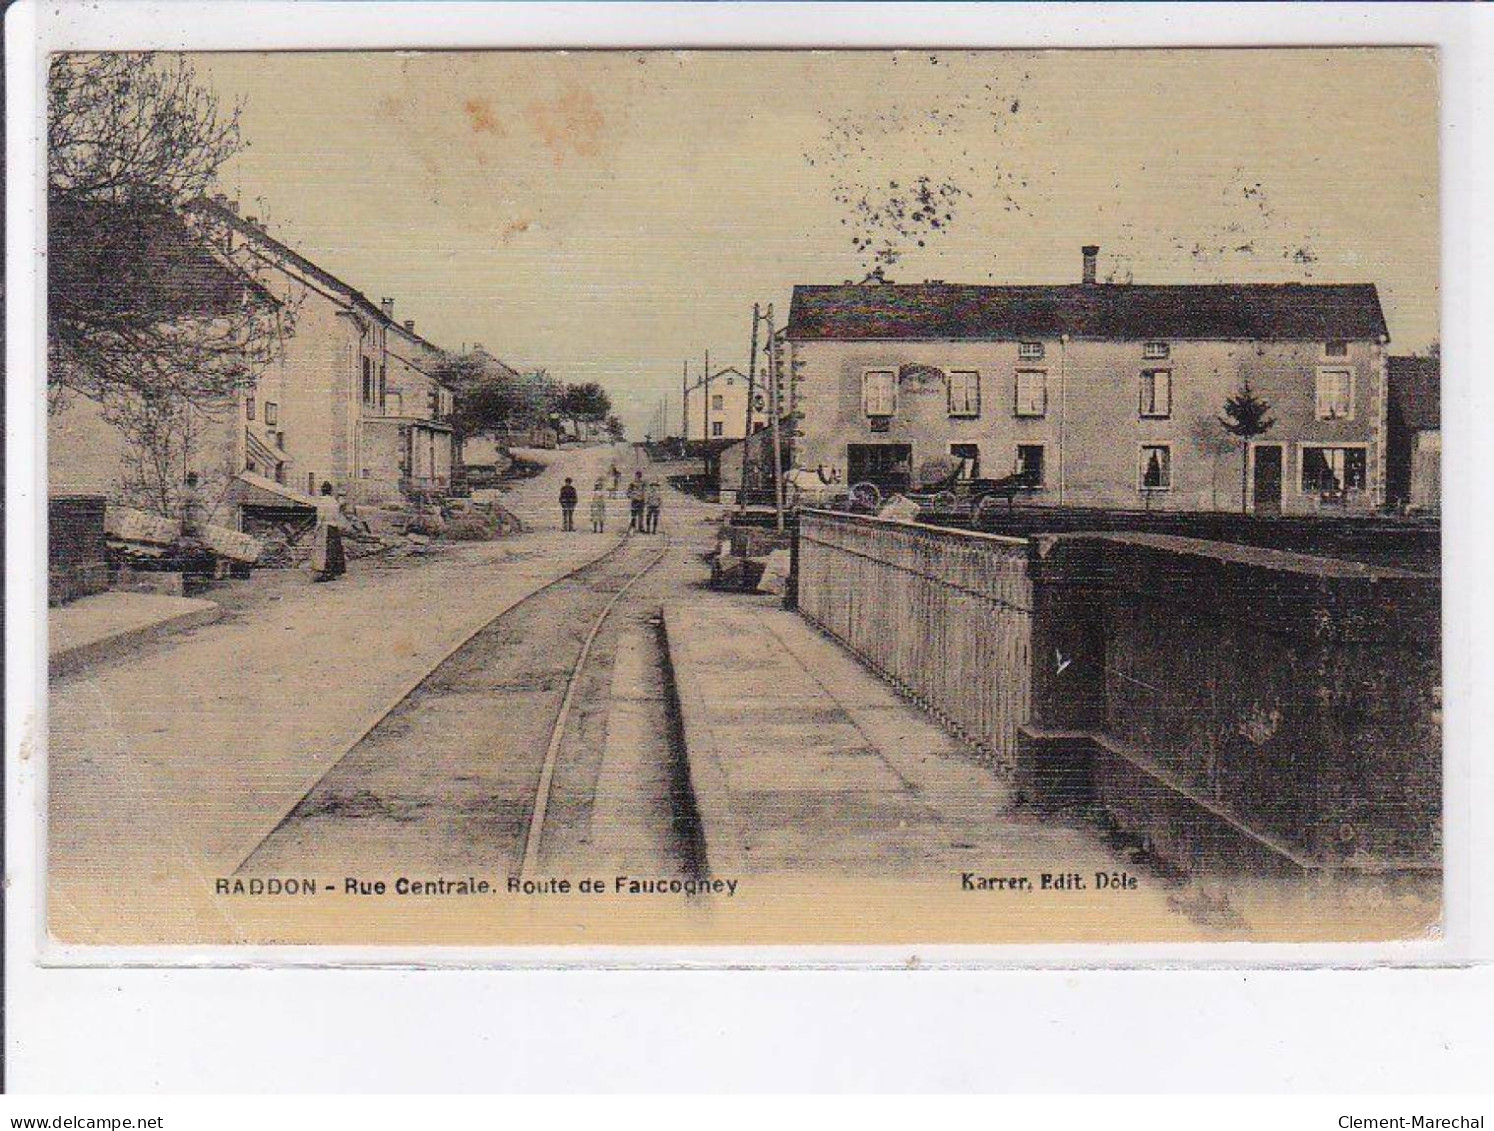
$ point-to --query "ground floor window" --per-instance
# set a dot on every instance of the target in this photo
(1333, 470)
(1030, 464)
(970, 455)
(1156, 467)
(888, 466)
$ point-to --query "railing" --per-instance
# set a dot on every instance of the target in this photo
(945, 616)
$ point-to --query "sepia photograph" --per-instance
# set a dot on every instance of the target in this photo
(743, 498)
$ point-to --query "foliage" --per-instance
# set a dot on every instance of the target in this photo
(1246, 416)
(488, 396)
(142, 299)
(588, 403)
(616, 429)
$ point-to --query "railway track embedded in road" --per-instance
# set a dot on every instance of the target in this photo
(427, 685)
(557, 734)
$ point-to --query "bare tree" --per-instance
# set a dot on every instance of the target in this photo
(1212, 442)
(142, 299)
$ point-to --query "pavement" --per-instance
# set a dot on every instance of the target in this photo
(165, 771)
(108, 625)
(822, 790)
(787, 734)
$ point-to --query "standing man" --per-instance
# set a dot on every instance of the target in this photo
(616, 480)
(568, 505)
(654, 499)
(636, 494)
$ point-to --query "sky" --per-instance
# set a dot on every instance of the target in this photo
(607, 215)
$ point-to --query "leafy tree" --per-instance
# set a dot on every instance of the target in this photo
(1245, 417)
(584, 404)
(538, 397)
(616, 429)
(485, 394)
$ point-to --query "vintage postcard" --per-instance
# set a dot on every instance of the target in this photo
(659, 498)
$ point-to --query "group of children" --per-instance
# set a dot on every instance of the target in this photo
(645, 500)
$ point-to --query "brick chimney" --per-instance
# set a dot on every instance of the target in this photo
(1091, 258)
(387, 306)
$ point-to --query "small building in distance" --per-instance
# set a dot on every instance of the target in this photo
(1414, 430)
(1104, 394)
(717, 409)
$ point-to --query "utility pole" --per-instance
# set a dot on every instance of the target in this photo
(705, 400)
(774, 413)
(685, 405)
(747, 428)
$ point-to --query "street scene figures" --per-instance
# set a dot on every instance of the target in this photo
(1032, 500)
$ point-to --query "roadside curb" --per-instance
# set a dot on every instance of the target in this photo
(71, 660)
(726, 848)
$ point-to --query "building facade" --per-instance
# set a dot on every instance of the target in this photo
(352, 403)
(1100, 394)
(1414, 475)
(717, 409)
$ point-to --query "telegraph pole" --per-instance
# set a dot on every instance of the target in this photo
(705, 400)
(685, 404)
(747, 428)
(774, 413)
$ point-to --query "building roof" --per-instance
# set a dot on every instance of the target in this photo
(227, 214)
(136, 264)
(1099, 311)
(1415, 387)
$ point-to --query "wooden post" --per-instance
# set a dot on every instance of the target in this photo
(747, 427)
(685, 405)
(773, 414)
(705, 403)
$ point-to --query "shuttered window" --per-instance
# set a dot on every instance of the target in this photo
(878, 392)
(1335, 394)
(1032, 392)
(964, 392)
(1156, 392)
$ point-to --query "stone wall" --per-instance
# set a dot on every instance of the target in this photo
(1293, 700)
(77, 561)
(1220, 702)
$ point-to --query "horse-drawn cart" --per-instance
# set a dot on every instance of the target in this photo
(953, 495)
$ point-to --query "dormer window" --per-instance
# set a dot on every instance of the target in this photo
(1030, 351)
(1335, 349)
(1156, 351)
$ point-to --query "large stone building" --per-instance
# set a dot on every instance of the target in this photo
(350, 404)
(1103, 394)
(352, 401)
